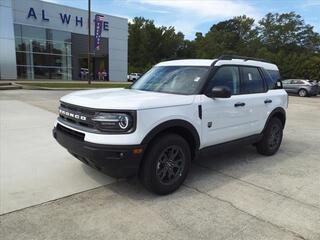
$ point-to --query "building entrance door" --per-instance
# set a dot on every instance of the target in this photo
(99, 68)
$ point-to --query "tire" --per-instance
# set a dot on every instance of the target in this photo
(303, 93)
(272, 138)
(166, 164)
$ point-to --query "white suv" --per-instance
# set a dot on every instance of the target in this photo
(173, 112)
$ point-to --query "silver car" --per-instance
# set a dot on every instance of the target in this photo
(299, 86)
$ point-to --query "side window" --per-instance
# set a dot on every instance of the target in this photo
(286, 81)
(252, 81)
(296, 82)
(227, 76)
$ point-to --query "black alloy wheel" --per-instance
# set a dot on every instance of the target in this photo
(165, 164)
(170, 165)
(272, 137)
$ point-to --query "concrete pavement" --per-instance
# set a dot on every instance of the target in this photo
(237, 194)
(34, 168)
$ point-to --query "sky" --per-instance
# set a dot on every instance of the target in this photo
(191, 16)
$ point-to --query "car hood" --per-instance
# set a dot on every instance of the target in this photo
(128, 99)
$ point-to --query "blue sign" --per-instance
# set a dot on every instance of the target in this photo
(97, 31)
(67, 19)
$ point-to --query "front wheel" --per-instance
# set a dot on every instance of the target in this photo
(166, 164)
(272, 138)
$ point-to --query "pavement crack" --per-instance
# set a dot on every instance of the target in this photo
(245, 212)
(257, 186)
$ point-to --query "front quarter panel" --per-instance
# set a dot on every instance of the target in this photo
(147, 119)
(151, 118)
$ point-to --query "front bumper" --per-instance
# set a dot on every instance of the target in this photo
(114, 160)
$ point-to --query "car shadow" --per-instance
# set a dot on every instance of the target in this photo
(210, 170)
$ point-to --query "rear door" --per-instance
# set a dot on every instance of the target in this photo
(258, 103)
(296, 85)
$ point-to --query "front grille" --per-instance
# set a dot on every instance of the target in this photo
(76, 115)
(70, 132)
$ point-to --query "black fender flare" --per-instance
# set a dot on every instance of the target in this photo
(172, 124)
(277, 112)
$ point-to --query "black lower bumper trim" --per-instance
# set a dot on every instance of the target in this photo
(114, 160)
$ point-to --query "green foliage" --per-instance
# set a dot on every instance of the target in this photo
(149, 44)
(284, 39)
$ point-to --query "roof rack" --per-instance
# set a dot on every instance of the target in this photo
(230, 57)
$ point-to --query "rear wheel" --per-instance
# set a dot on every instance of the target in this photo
(166, 164)
(272, 138)
(303, 93)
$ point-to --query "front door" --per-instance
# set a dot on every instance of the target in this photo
(225, 119)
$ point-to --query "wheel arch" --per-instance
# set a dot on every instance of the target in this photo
(180, 127)
(279, 113)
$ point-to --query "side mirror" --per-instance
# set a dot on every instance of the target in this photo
(220, 92)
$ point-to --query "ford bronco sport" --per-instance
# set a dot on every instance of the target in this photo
(174, 111)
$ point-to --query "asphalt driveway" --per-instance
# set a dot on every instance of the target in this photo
(239, 194)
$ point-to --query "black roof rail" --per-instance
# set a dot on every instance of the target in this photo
(230, 57)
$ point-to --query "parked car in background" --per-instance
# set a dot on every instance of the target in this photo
(317, 82)
(133, 77)
(302, 87)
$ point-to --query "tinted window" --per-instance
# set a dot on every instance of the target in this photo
(252, 80)
(286, 81)
(272, 77)
(297, 82)
(227, 76)
(274, 74)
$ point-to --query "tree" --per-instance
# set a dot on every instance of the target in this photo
(288, 31)
(149, 44)
(234, 36)
(283, 39)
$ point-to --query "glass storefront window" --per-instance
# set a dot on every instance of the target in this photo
(33, 32)
(43, 53)
(51, 60)
(52, 73)
(60, 36)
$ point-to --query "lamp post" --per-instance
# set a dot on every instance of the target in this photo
(89, 40)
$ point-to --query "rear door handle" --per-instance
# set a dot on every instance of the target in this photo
(239, 104)
(267, 101)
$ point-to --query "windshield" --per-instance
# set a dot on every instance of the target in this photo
(172, 79)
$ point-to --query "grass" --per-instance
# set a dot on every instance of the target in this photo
(77, 85)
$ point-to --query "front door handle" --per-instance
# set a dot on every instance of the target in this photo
(267, 101)
(239, 104)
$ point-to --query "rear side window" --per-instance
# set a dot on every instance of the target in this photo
(297, 82)
(272, 77)
(252, 81)
(286, 81)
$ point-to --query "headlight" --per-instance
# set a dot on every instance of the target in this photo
(113, 122)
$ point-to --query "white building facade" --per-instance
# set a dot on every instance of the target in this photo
(41, 40)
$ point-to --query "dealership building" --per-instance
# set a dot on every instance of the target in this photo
(41, 40)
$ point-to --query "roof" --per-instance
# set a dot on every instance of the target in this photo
(188, 62)
(208, 62)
